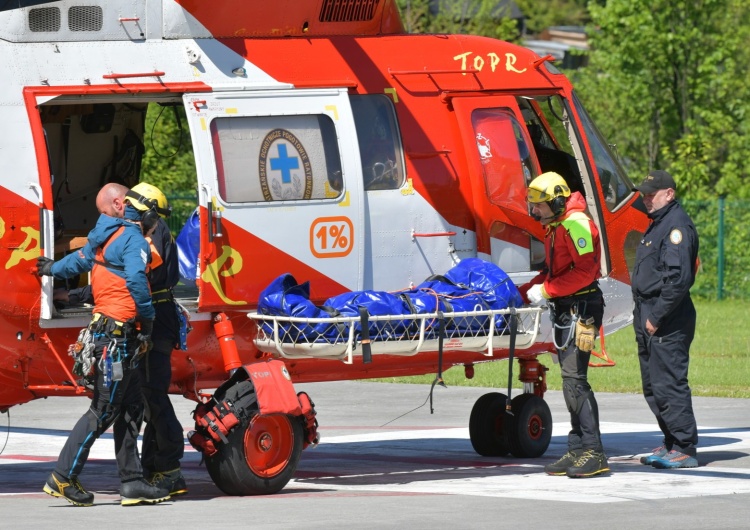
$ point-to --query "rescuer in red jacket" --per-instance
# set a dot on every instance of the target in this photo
(569, 286)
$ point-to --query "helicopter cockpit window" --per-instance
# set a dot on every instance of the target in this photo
(543, 117)
(276, 158)
(379, 142)
(615, 184)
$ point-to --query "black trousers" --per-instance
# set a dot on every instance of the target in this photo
(163, 438)
(119, 406)
(574, 366)
(664, 359)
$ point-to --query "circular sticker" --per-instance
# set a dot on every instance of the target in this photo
(675, 236)
(284, 168)
(285, 373)
(582, 242)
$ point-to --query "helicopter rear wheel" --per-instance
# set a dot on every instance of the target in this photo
(487, 425)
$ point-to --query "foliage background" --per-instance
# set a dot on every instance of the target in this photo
(667, 84)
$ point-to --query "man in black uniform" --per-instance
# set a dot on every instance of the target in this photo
(163, 438)
(664, 320)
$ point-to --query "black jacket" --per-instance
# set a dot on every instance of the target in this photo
(665, 262)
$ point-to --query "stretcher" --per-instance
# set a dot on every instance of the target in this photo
(341, 337)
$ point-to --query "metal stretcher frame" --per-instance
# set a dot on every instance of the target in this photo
(395, 334)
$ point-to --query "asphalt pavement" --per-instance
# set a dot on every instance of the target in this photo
(385, 461)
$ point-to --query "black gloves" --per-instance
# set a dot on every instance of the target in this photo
(147, 327)
(44, 266)
(144, 337)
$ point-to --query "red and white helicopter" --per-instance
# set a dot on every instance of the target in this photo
(329, 144)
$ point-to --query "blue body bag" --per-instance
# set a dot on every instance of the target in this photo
(285, 297)
(376, 303)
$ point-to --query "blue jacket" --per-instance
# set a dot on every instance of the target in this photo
(129, 252)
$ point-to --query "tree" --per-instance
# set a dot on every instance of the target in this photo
(542, 15)
(489, 18)
(168, 161)
(670, 79)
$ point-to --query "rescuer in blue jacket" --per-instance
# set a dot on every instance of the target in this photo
(117, 255)
(664, 319)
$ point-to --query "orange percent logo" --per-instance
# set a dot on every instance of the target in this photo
(331, 237)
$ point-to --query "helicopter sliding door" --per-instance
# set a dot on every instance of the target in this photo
(277, 192)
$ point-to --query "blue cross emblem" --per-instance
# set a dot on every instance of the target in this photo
(285, 164)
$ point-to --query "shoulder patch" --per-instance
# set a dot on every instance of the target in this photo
(675, 236)
(144, 257)
(582, 242)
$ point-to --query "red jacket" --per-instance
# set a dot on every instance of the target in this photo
(572, 251)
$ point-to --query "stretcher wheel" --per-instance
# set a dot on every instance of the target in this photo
(260, 455)
(529, 430)
(487, 425)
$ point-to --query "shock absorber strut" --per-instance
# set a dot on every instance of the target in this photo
(532, 371)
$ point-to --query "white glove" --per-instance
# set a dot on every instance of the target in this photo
(535, 296)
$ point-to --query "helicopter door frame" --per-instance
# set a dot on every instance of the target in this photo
(41, 181)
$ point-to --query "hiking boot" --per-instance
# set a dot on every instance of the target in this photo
(139, 491)
(589, 464)
(674, 460)
(172, 481)
(69, 489)
(656, 454)
(561, 466)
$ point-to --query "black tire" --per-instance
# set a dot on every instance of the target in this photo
(242, 467)
(487, 425)
(529, 430)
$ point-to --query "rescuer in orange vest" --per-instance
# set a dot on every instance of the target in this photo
(117, 254)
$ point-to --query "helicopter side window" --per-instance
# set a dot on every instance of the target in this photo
(276, 158)
(379, 142)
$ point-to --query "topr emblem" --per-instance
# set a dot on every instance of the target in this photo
(675, 236)
(284, 167)
(582, 242)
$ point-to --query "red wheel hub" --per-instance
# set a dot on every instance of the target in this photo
(269, 441)
(535, 427)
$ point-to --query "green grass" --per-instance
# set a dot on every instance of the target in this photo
(719, 359)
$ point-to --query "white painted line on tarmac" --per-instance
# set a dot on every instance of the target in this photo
(525, 479)
(441, 462)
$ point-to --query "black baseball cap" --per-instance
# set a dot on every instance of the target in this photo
(655, 181)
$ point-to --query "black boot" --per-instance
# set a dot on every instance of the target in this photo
(139, 491)
(590, 464)
(69, 489)
(561, 466)
(172, 481)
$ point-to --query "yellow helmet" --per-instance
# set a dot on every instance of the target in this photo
(546, 187)
(144, 197)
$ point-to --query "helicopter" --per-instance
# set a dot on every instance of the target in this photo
(330, 145)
